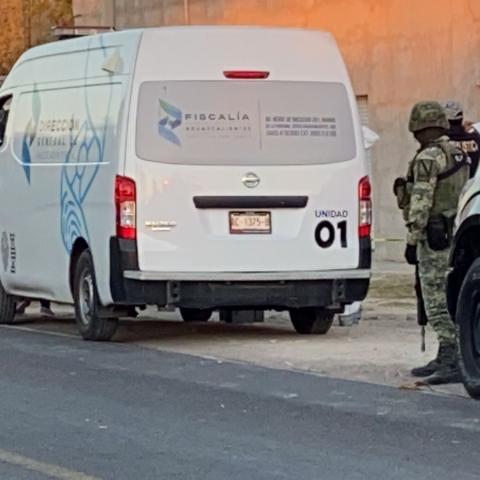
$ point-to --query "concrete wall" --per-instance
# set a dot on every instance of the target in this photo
(397, 51)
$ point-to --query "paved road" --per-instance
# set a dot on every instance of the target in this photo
(81, 411)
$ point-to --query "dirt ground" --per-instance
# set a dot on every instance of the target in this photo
(381, 349)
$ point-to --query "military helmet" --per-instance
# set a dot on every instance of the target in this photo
(427, 115)
(453, 109)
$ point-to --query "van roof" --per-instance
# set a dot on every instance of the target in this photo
(293, 53)
(77, 44)
(84, 42)
(204, 53)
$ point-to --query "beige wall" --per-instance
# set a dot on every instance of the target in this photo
(397, 51)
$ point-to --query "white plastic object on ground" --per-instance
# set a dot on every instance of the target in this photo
(351, 316)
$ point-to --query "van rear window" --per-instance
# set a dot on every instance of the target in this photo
(244, 123)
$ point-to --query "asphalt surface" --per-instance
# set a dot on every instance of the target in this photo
(81, 411)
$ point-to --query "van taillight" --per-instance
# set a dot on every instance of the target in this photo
(125, 204)
(365, 208)
(246, 74)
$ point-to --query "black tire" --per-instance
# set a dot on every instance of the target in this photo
(190, 315)
(7, 307)
(90, 324)
(468, 330)
(309, 321)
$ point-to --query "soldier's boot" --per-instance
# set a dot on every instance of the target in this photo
(448, 370)
(429, 369)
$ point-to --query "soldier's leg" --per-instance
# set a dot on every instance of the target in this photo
(433, 267)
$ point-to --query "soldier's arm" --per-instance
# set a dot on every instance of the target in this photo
(427, 165)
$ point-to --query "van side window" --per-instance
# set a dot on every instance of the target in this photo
(4, 113)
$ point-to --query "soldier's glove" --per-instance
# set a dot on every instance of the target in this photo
(411, 254)
(399, 185)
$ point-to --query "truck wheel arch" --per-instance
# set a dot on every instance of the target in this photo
(465, 250)
(79, 246)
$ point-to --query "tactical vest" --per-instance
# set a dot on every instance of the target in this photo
(450, 181)
(469, 142)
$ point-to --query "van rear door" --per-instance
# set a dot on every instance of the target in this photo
(246, 176)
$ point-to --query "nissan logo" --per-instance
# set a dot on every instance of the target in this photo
(251, 180)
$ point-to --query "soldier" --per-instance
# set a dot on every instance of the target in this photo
(436, 176)
(468, 139)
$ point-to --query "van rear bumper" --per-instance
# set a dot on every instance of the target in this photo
(234, 293)
(247, 276)
(236, 290)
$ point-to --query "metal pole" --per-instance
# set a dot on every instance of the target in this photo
(186, 12)
(114, 14)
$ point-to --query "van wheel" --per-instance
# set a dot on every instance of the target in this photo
(195, 315)
(468, 329)
(91, 324)
(7, 307)
(311, 320)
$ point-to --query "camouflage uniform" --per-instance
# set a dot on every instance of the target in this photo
(430, 197)
(429, 200)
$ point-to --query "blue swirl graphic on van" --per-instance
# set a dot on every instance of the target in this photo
(81, 167)
(76, 182)
(30, 134)
(171, 118)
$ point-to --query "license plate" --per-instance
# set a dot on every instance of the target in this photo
(250, 223)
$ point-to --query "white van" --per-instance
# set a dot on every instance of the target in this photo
(204, 168)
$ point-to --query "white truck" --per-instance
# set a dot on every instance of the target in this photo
(201, 168)
(463, 286)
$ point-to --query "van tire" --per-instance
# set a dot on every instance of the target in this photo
(468, 330)
(91, 325)
(190, 315)
(307, 321)
(7, 307)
